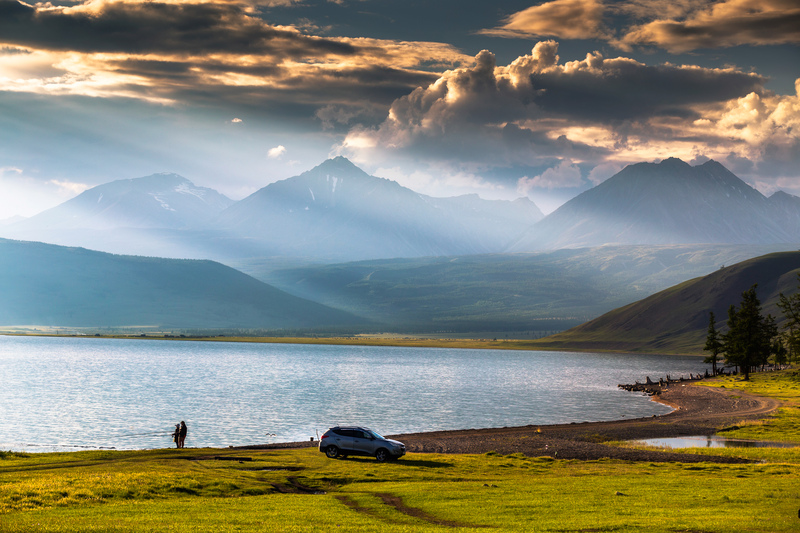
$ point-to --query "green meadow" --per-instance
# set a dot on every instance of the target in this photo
(224, 490)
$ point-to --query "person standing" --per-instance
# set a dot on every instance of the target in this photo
(176, 436)
(182, 434)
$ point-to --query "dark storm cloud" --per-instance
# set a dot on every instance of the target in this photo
(174, 69)
(153, 27)
(538, 87)
(622, 89)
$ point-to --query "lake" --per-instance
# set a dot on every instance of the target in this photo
(62, 394)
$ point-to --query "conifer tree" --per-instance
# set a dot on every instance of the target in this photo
(790, 306)
(713, 343)
(748, 342)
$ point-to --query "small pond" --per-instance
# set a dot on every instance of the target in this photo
(712, 441)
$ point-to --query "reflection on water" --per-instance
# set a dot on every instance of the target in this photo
(712, 441)
(71, 393)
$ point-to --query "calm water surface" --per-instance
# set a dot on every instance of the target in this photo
(713, 441)
(76, 393)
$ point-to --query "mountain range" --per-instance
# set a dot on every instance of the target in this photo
(335, 244)
(336, 212)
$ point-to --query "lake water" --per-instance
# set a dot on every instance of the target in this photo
(89, 393)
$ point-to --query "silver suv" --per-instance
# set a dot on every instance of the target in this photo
(354, 440)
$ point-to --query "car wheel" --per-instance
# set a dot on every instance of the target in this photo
(332, 452)
(382, 455)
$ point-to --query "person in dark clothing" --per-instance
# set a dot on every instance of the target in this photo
(181, 434)
(176, 436)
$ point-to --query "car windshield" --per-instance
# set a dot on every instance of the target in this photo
(375, 434)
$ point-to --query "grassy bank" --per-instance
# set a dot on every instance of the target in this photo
(358, 340)
(301, 490)
(190, 490)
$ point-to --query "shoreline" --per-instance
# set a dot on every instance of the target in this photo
(697, 411)
(377, 340)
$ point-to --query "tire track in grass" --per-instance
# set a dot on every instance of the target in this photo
(397, 502)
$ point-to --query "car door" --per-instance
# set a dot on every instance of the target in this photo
(363, 443)
(343, 439)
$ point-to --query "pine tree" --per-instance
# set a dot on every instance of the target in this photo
(790, 306)
(779, 350)
(748, 341)
(713, 344)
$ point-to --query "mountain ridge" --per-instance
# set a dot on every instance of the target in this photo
(669, 202)
(675, 320)
(342, 213)
(163, 200)
(45, 284)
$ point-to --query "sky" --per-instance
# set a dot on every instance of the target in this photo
(504, 99)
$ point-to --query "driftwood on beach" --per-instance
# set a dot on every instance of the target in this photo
(656, 387)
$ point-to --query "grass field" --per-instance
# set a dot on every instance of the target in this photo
(302, 490)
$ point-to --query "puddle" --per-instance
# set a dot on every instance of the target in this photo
(712, 441)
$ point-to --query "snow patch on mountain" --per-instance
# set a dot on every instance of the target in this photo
(328, 178)
(162, 202)
(186, 188)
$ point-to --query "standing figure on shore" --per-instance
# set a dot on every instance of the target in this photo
(182, 434)
(176, 436)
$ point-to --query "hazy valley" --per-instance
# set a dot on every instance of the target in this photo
(336, 250)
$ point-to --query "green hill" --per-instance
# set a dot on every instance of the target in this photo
(523, 294)
(675, 320)
(42, 284)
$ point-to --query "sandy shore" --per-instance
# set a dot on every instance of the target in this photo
(698, 411)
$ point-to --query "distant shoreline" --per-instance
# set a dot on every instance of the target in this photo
(385, 340)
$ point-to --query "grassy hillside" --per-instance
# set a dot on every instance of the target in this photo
(676, 320)
(52, 285)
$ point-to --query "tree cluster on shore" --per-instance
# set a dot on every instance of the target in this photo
(753, 340)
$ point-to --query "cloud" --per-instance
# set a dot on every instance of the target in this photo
(68, 189)
(722, 24)
(566, 19)
(206, 53)
(277, 152)
(563, 175)
(540, 123)
(765, 130)
(538, 109)
(155, 27)
(677, 26)
(603, 171)
(24, 195)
